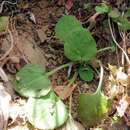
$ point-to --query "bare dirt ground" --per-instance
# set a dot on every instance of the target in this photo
(36, 43)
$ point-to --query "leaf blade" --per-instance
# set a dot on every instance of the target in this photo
(32, 82)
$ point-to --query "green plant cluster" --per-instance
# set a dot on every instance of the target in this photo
(121, 18)
(79, 45)
(32, 81)
(80, 48)
(44, 109)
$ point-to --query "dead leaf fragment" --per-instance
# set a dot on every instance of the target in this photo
(69, 4)
(118, 81)
(5, 99)
(128, 50)
(122, 77)
(72, 125)
(121, 108)
(17, 114)
(64, 91)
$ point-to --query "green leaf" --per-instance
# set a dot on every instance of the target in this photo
(127, 13)
(114, 13)
(102, 8)
(88, 7)
(3, 23)
(47, 112)
(92, 108)
(86, 73)
(65, 25)
(80, 46)
(31, 81)
(123, 23)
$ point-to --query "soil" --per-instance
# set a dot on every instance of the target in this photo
(36, 43)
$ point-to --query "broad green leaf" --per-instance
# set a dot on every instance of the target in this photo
(80, 46)
(123, 23)
(102, 8)
(65, 25)
(92, 108)
(31, 81)
(47, 112)
(114, 13)
(4, 20)
(86, 73)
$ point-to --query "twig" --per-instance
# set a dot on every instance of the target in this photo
(70, 103)
(101, 77)
(11, 47)
(3, 75)
(124, 40)
(126, 56)
(92, 18)
(124, 46)
(68, 85)
(3, 2)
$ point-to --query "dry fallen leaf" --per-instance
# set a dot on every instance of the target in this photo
(127, 111)
(121, 108)
(72, 125)
(17, 113)
(69, 4)
(64, 91)
(128, 50)
(122, 77)
(5, 99)
(118, 80)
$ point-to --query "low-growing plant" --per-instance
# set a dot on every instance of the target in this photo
(121, 18)
(79, 45)
(32, 80)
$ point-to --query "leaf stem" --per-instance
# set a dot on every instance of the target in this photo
(58, 68)
(101, 78)
(105, 49)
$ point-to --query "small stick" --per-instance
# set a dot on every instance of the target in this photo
(101, 78)
(11, 47)
(2, 4)
(126, 56)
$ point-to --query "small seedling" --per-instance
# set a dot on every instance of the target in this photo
(116, 16)
(86, 73)
(102, 8)
(79, 45)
